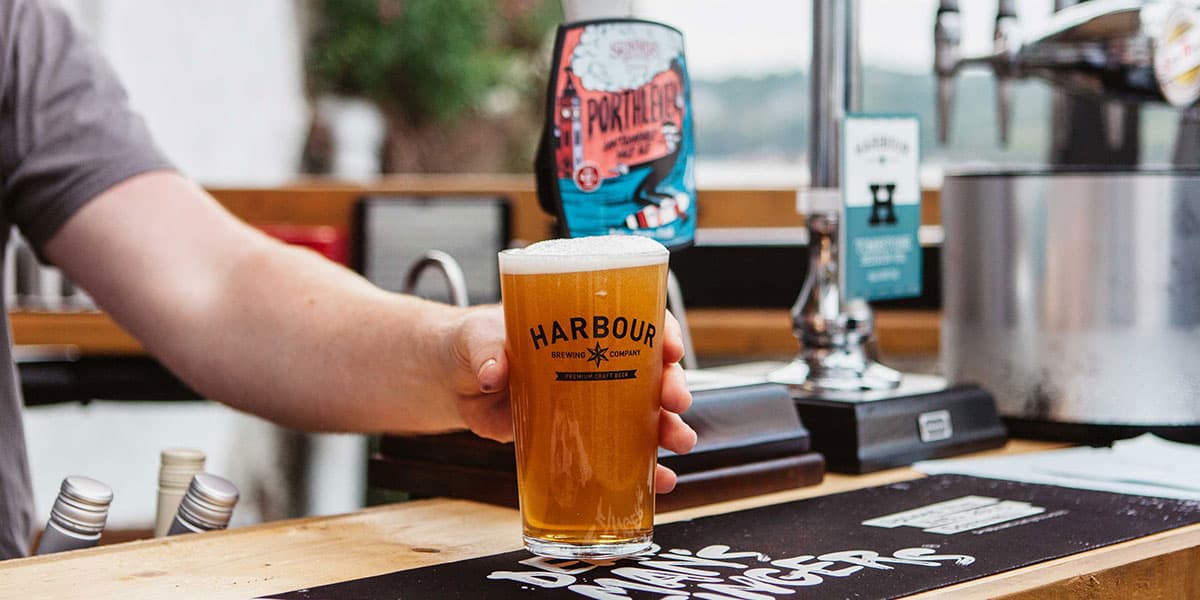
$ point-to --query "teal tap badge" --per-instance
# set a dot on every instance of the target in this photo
(881, 196)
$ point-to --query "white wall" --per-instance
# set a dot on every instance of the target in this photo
(220, 82)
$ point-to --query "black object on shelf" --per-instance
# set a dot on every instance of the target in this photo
(861, 432)
(745, 275)
(66, 379)
(750, 442)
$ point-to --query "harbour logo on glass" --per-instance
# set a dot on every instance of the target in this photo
(598, 327)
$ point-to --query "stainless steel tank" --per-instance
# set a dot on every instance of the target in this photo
(1074, 297)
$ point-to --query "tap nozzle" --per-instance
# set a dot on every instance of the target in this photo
(1006, 44)
(947, 37)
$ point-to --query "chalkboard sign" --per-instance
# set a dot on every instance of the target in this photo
(883, 542)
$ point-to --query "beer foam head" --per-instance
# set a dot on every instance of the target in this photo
(583, 254)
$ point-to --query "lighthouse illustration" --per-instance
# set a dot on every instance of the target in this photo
(570, 134)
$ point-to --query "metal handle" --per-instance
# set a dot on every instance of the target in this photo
(455, 282)
(835, 336)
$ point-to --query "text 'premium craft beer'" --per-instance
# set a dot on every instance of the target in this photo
(584, 320)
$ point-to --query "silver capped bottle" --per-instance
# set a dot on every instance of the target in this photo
(78, 515)
(206, 506)
(177, 467)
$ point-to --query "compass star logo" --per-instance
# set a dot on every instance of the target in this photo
(597, 354)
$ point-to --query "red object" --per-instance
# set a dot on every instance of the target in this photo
(327, 240)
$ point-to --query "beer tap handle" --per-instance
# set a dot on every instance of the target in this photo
(1006, 44)
(947, 35)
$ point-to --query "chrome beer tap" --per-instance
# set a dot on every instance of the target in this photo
(836, 353)
(834, 333)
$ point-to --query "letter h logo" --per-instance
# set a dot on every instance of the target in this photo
(882, 206)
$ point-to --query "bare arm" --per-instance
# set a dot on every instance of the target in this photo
(267, 328)
(280, 332)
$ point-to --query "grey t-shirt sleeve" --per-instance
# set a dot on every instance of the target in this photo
(67, 132)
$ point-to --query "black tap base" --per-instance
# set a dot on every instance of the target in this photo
(860, 436)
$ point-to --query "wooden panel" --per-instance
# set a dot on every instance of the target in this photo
(774, 208)
(741, 332)
(301, 207)
(89, 332)
(931, 207)
(324, 202)
(763, 332)
(1154, 567)
(747, 208)
(908, 332)
(1173, 575)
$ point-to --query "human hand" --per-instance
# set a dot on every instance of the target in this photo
(479, 381)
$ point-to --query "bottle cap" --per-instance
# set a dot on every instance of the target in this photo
(182, 457)
(178, 465)
(209, 501)
(82, 505)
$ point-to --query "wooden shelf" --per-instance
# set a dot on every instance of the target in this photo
(324, 202)
(761, 332)
(715, 332)
(87, 332)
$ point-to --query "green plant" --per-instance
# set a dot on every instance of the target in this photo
(425, 61)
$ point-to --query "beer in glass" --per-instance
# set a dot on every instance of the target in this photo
(584, 323)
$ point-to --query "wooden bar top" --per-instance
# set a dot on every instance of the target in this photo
(287, 555)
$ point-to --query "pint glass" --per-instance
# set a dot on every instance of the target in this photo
(584, 323)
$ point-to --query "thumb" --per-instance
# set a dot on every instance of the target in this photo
(480, 349)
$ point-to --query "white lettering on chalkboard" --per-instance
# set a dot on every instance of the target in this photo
(715, 573)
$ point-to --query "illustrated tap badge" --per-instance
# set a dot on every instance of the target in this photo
(616, 155)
